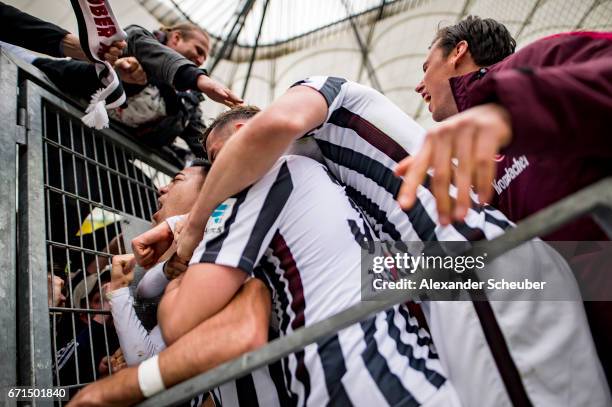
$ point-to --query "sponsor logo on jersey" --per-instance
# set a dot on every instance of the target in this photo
(216, 222)
(510, 173)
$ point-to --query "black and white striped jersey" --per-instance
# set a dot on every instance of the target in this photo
(362, 139)
(299, 225)
(364, 136)
(264, 387)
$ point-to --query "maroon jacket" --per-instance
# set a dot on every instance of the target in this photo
(558, 91)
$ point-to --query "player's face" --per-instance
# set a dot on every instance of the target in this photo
(180, 194)
(195, 47)
(216, 140)
(435, 87)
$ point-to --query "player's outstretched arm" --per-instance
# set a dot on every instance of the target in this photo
(240, 327)
(250, 153)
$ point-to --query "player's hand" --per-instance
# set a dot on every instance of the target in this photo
(473, 137)
(175, 266)
(149, 246)
(217, 91)
(120, 389)
(188, 238)
(130, 71)
(122, 271)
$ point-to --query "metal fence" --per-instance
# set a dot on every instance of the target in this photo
(69, 195)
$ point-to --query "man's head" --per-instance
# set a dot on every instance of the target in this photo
(87, 294)
(224, 125)
(189, 40)
(456, 50)
(180, 194)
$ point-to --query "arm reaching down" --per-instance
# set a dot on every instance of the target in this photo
(130, 71)
(216, 91)
(27, 31)
(166, 65)
(473, 137)
(558, 108)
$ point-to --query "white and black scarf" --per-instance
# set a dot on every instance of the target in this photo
(98, 29)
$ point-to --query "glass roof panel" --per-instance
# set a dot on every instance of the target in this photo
(285, 19)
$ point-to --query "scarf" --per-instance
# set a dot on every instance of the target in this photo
(98, 29)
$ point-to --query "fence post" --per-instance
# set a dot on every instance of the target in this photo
(33, 310)
(8, 231)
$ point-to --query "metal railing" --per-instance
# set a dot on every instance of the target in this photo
(69, 194)
(594, 200)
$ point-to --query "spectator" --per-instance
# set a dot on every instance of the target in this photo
(32, 33)
(115, 246)
(166, 105)
(187, 47)
(78, 357)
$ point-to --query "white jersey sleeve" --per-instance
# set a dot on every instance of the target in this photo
(136, 343)
(173, 220)
(330, 87)
(354, 109)
(153, 283)
(241, 228)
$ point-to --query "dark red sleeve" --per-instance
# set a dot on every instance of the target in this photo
(559, 95)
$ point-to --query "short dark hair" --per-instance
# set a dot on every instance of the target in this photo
(489, 40)
(201, 162)
(241, 112)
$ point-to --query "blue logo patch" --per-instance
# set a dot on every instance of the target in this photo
(217, 214)
(216, 222)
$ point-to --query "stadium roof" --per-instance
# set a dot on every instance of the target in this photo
(274, 27)
(284, 19)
